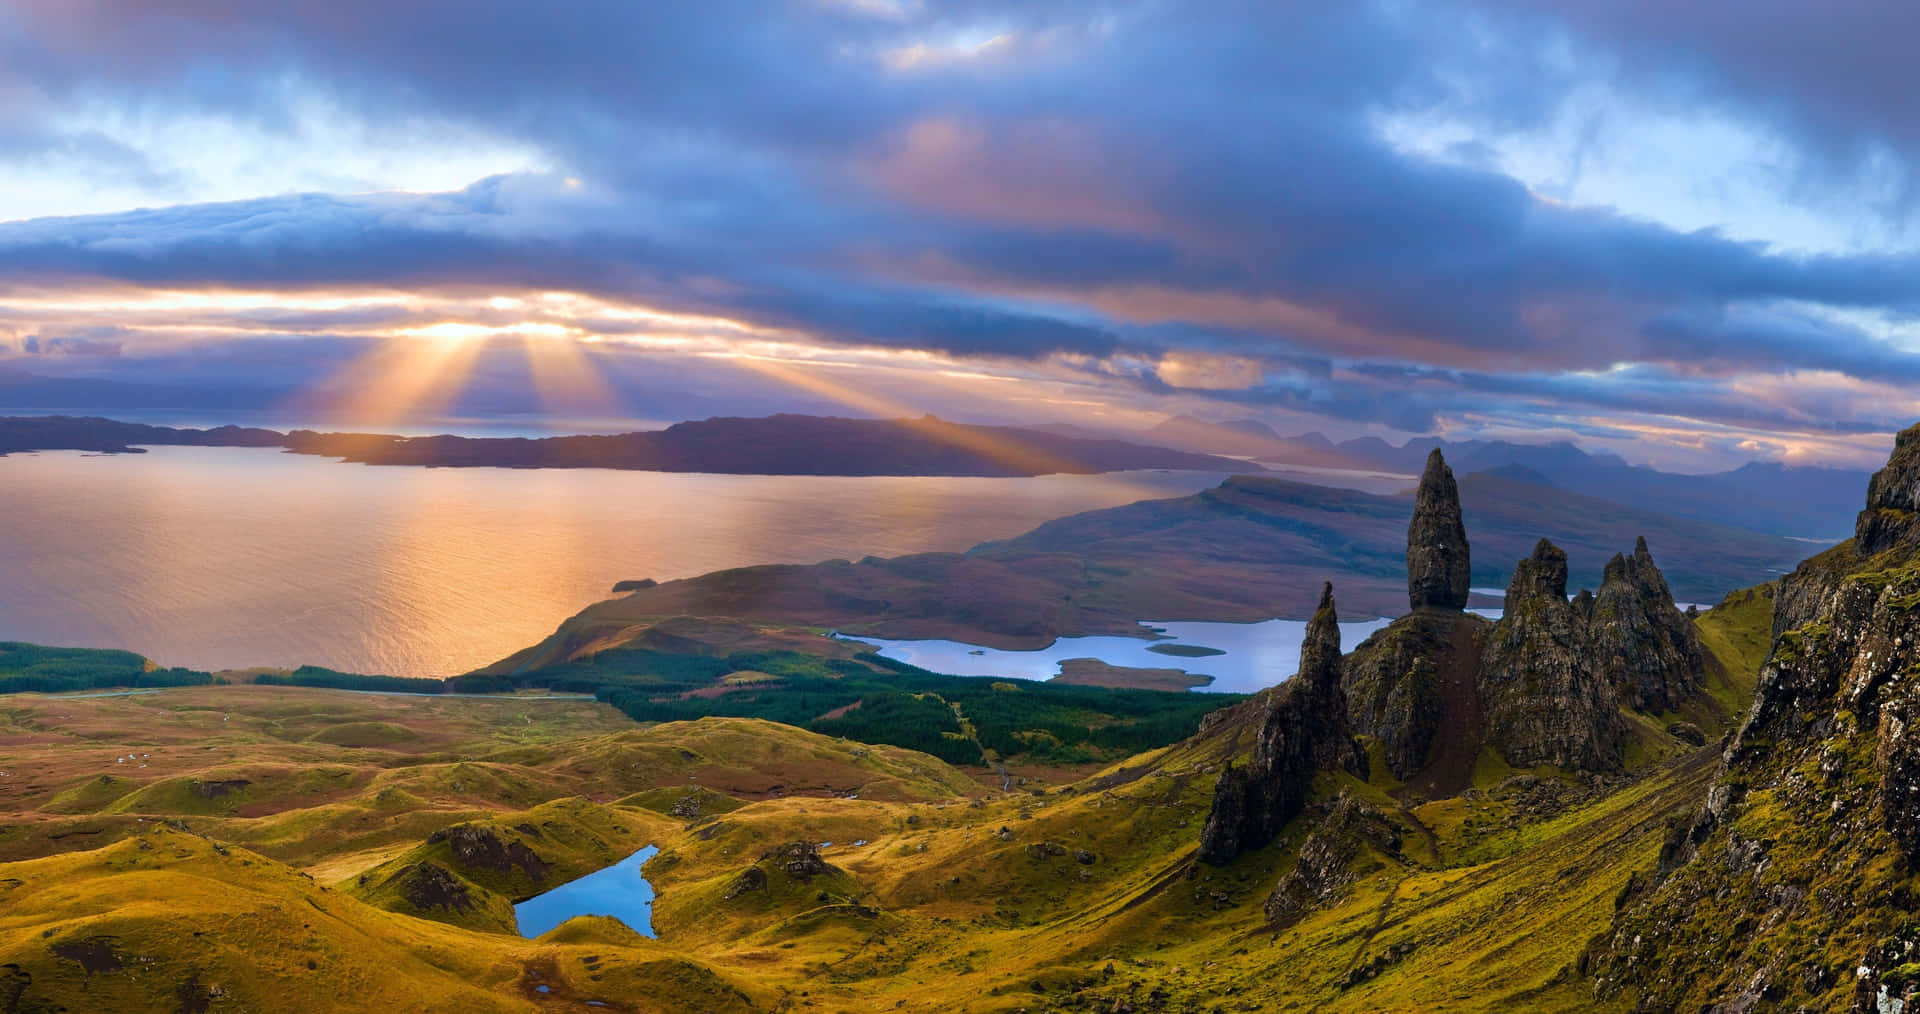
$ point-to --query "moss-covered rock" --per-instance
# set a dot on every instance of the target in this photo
(1641, 643)
(1349, 843)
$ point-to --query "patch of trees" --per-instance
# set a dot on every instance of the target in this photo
(878, 700)
(38, 669)
(329, 679)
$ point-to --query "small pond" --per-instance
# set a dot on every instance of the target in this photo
(619, 891)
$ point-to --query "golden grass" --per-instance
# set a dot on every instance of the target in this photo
(944, 895)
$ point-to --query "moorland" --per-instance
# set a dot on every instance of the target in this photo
(1599, 801)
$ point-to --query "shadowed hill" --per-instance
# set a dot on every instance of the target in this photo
(1823, 502)
(1252, 548)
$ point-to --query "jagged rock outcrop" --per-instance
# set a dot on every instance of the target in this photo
(1794, 886)
(1642, 644)
(1893, 498)
(1340, 850)
(1304, 730)
(1409, 686)
(1545, 702)
(476, 847)
(430, 886)
(1583, 605)
(1437, 685)
(1438, 565)
(794, 861)
(800, 860)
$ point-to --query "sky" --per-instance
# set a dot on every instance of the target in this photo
(1678, 230)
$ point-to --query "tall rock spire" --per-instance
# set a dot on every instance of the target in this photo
(1438, 567)
(1303, 731)
(1320, 648)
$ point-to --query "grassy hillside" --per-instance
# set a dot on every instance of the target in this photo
(961, 720)
(796, 871)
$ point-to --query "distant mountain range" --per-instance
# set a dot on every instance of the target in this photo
(1795, 501)
(773, 445)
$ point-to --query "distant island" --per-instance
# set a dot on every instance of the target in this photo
(773, 445)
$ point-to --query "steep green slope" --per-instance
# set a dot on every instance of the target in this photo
(931, 894)
(1794, 886)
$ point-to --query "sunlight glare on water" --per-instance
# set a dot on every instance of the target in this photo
(231, 557)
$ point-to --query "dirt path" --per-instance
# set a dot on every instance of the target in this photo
(1433, 840)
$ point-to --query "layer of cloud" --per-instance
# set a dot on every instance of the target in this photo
(1197, 204)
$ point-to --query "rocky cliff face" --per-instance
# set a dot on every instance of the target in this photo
(1405, 683)
(1437, 558)
(1795, 886)
(1893, 496)
(1340, 850)
(1642, 644)
(1545, 701)
(1303, 731)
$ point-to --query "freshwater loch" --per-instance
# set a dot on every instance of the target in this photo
(620, 891)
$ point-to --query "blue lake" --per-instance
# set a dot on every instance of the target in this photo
(620, 891)
(1254, 655)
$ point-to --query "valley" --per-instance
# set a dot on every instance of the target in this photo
(302, 817)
